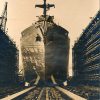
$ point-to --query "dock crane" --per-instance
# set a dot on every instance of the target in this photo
(3, 18)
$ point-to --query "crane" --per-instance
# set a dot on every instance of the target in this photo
(3, 18)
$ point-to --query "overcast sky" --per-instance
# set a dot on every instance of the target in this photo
(74, 15)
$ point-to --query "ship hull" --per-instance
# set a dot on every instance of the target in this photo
(52, 53)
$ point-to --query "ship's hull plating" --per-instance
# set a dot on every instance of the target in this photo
(57, 53)
(32, 54)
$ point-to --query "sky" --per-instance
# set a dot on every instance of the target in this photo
(73, 15)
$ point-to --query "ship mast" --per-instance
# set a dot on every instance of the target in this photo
(45, 7)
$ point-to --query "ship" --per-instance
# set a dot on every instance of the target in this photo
(8, 54)
(45, 48)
